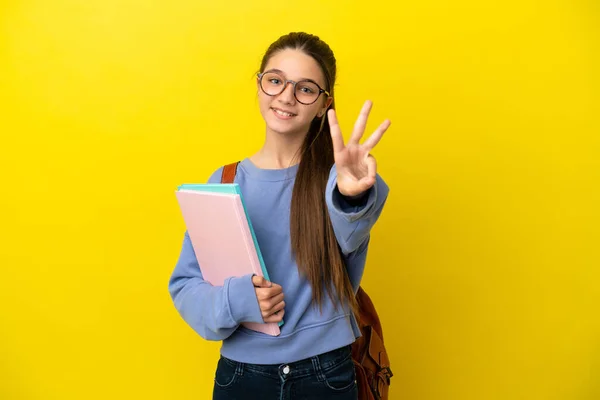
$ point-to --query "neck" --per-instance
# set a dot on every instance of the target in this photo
(279, 150)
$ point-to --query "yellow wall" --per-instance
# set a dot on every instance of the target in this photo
(484, 266)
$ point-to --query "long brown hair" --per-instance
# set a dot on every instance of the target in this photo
(314, 244)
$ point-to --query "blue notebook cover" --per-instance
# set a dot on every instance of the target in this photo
(230, 188)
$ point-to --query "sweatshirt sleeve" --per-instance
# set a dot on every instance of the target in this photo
(214, 312)
(352, 219)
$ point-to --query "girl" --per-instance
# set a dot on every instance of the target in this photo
(312, 200)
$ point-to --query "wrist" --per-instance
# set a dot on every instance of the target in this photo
(353, 198)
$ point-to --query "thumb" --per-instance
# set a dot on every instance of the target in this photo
(370, 179)
(260, 281)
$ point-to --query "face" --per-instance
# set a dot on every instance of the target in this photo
(283, 113)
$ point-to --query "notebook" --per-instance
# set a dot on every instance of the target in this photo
(231, 188)
(222, 237)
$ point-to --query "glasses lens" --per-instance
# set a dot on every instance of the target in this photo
(272, 83)
(307, 92)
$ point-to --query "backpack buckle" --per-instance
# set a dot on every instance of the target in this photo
(387, 372)
(383, 380)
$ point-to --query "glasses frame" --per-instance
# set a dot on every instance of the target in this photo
(294, 83)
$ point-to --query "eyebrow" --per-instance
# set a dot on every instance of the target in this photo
(301, 79)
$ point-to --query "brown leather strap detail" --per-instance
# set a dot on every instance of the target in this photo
(229, 171)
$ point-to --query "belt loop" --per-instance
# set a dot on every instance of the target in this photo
(317, 366)
(239, 369)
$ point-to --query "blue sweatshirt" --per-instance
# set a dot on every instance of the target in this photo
(215, 312)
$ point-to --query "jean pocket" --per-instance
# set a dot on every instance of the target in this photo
(227, 373)
(340, 377)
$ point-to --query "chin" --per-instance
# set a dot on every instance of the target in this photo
(282, 130)
(289, 127)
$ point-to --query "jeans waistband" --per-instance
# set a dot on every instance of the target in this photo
(299, 368)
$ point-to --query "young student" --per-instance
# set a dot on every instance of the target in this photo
(312, 200)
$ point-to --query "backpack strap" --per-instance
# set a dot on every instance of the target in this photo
(228, 174)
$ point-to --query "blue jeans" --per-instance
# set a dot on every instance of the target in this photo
(326, 376)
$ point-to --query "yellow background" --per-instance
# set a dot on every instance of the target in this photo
(484, 265)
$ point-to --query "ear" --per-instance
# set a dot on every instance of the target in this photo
(327, 104)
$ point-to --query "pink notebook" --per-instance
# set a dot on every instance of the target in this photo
(222, 240)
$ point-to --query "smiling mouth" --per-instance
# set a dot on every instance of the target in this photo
(283, 113)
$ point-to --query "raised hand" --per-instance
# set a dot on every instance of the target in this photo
(270, 299)
(356, 167)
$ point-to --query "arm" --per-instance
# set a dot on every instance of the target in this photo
(353, 217)
(214, 312)
(355, 193)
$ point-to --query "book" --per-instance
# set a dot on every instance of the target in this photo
(232, 188)
(223, 237)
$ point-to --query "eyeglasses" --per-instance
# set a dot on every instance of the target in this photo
(305, 91)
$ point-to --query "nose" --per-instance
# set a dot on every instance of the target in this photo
(287, 96)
